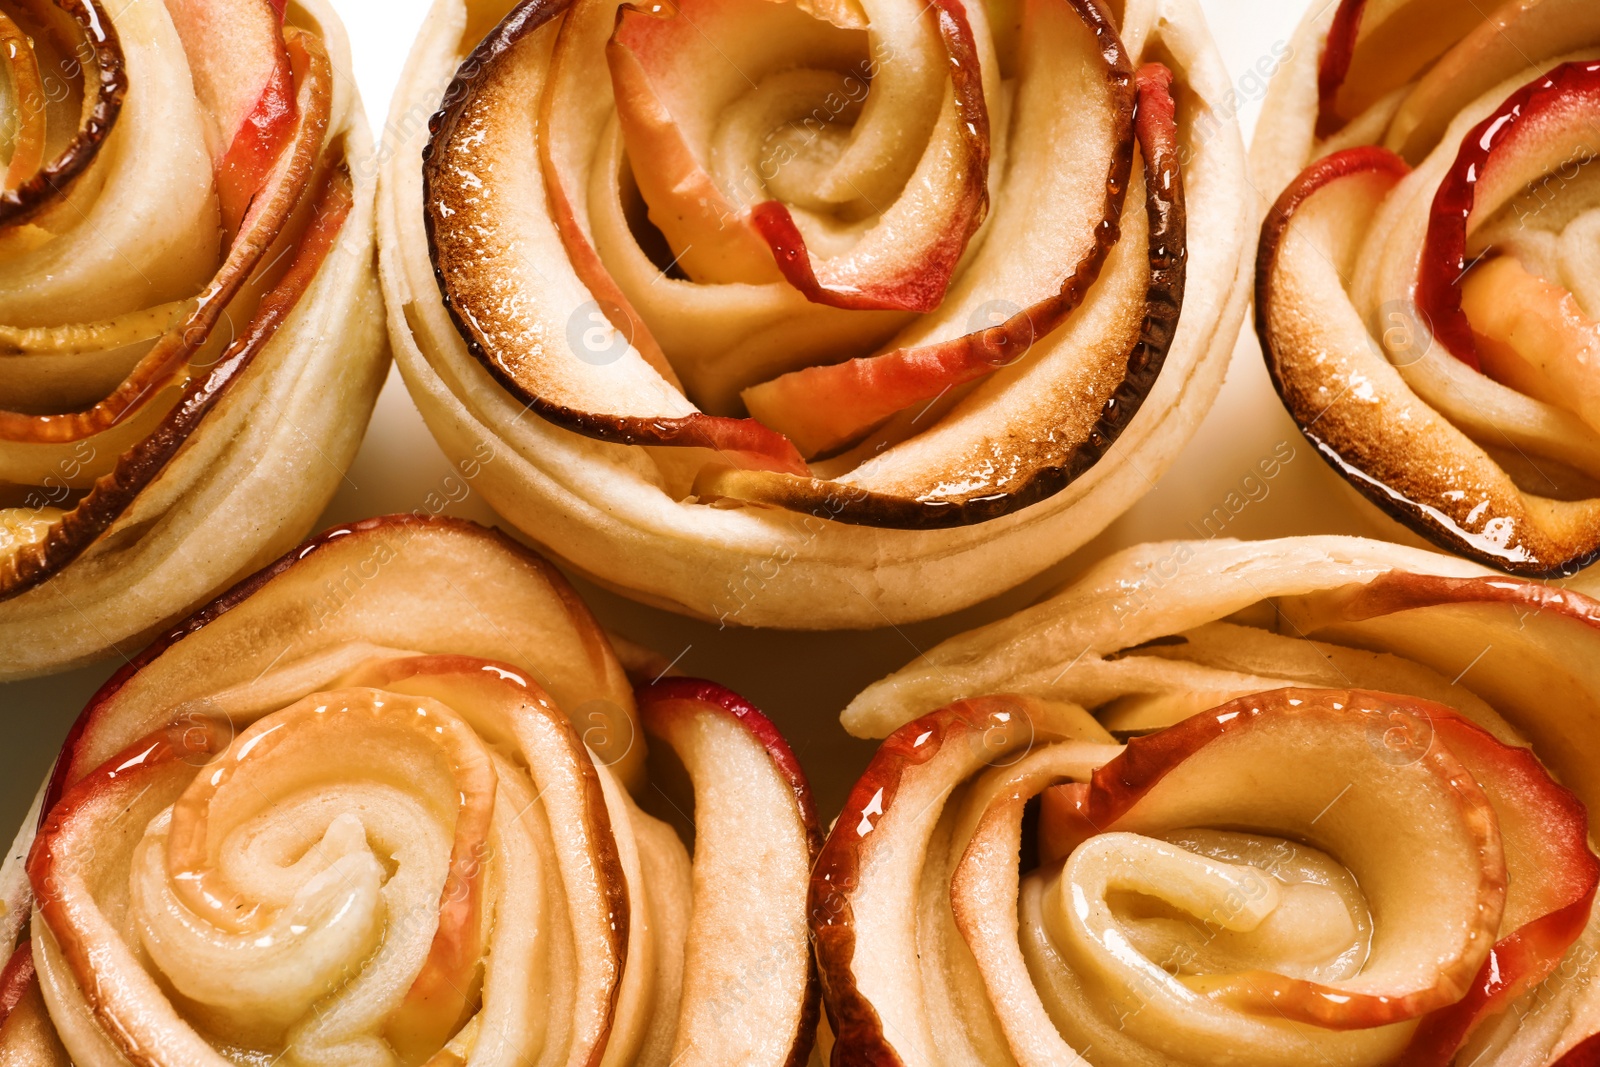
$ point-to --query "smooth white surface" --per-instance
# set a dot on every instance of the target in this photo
(1217, 488)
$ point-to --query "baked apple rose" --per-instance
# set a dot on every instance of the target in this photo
(190, 328)
(808, 314)
(1426, 291)
(1315, 801)
(377, 805)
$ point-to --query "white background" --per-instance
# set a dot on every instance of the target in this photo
(801, 680)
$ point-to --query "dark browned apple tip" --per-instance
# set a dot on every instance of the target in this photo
(1368, 457)
(55, 178)
(112, 493)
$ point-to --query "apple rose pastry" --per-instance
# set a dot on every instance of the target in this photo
(1428, 290)
(372, 807)
(814, 314)
(1318, 802)
(191, 337)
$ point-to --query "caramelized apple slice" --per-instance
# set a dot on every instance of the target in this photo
(867, 889)
(823, 408)
(505, 277)
(28, 564)
(755, 837)
(32, 185)
(1495, 51)
(1091, 373)
(1352, 403)
(1376, 46)
(164, 363)
(1544, 122)
(673, 77)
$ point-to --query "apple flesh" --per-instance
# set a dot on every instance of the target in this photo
(481, 242)
(1542, 119)
(243, 78)
(1531, 335)
(823, 408)
(1544, 889)
(756, 836)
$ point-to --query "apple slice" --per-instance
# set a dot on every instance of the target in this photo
(31, 185)
(1495, 51)
(27, 565)
(506, 708)
(944, 204)
(364, 587)
(1544, 122)
(1376, 46)
(26, 1033)
(867, 892)
(244, 81)
(824, 408)
(755, 838)
(1531, 335)
(506, 279)
(1536, 905)
(27, 90)
(673, 80)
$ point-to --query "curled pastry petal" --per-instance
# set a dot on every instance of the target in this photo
(374, 805)
(1219, 803)
(828, 284)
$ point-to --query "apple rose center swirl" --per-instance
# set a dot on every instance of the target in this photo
(1295, 876)
(424, 864)
(785, 237)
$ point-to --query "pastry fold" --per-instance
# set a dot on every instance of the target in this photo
(1312, 801)
(814, 315)
(1426, 285)
(384, 803)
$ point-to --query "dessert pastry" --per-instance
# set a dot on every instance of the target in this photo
(1320, 801)
(1426, 290)
(373, 806)
(191, 337)
(813, 315)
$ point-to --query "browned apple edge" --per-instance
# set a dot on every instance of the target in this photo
(110, 86)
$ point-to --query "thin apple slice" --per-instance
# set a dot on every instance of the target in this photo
(1495, 51)
(25, 195)
(165, 363)
(1540, 125)
(824, 408)
(72, 858)
(27, 1035)
(27, 565)
(945, 202)
(504, 273)
(22, 71)
(1376, 46)
(1440, 918)
(755, 838)
(867, 883)
(369, 583)
(1089, 375)
(242, 76)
